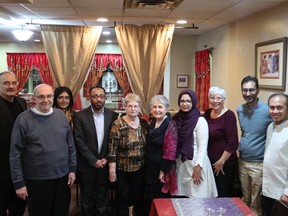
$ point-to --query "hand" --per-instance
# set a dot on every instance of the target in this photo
(71, 179)
(112, 177)
(161, 177)
(99, 164)
(196, 177)
(104, 161)
(218, 167)
(22, 193)
(284, 199)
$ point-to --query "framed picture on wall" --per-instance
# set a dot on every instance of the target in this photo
(182, 81)
(270, 63)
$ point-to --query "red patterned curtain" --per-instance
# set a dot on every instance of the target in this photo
(99, 65)
(42, 66)
(21, 64)
(202, 73)
(116, 64)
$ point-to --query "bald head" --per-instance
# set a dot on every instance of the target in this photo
(43, 96)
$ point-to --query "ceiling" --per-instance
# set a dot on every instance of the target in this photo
(205, 14)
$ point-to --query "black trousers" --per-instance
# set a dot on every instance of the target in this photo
(267, 205)
(94, 190)
(48, 197)
(10, 201)
(130, 192)
(224, 183)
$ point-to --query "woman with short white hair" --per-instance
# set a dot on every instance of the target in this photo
(223, 140)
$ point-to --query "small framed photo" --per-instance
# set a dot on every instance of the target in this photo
(182, 81)
(270, 63)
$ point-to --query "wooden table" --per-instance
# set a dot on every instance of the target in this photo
(199, 207)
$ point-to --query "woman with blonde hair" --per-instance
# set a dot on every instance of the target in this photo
(126, 157)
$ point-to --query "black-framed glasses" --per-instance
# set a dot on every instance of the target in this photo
(185, 101)
(63, 97)
(96, 96)
(246, 90)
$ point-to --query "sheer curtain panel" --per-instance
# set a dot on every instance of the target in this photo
(145, 50)
(70, 50)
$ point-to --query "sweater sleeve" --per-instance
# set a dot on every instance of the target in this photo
(231, 133)
(16, 148)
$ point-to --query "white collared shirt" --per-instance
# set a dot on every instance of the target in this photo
(275, 168)
(99, 125)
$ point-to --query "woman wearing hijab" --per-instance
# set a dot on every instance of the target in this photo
(194, 172)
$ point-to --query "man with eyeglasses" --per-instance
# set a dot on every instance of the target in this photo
(43, 156)
(91, 133)
(11, 106)
(254, 119)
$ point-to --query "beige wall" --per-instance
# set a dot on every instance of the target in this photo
(234, 53)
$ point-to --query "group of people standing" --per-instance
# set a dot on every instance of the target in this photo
(187, 155)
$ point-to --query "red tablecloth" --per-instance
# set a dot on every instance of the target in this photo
(199, 206)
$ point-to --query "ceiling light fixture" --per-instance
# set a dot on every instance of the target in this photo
(22, 35)
(106, 33)
(102, 19)
(182, 21)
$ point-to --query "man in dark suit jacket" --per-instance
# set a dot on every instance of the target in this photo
(10, 107)
(91, 134)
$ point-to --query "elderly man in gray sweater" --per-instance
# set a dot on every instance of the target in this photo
(43, 156)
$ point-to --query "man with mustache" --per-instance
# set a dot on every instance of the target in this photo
(11, 106)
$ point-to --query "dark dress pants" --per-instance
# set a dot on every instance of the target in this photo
(10, 201)
(94, 190)
(267, 205)
(224, 183)
(48, 197)
(130, 192)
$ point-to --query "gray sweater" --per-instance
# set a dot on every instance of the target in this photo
(42, 147)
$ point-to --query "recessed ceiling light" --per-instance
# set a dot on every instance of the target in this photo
(106, 33)
(108, 41)
(102, 20)
(182, 21)
(37, 40)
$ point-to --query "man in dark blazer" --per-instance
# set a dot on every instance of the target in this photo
(10, 107)
(91, 134)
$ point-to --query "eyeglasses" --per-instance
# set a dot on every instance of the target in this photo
(42, 97)
(132, 106)
(7, 83)
(217, 99)
(251, 90)
(185, 101)
(95, 96)
(63, 97)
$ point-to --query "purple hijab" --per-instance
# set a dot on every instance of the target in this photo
(186, 122)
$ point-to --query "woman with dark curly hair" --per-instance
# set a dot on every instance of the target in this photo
(63, 99)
